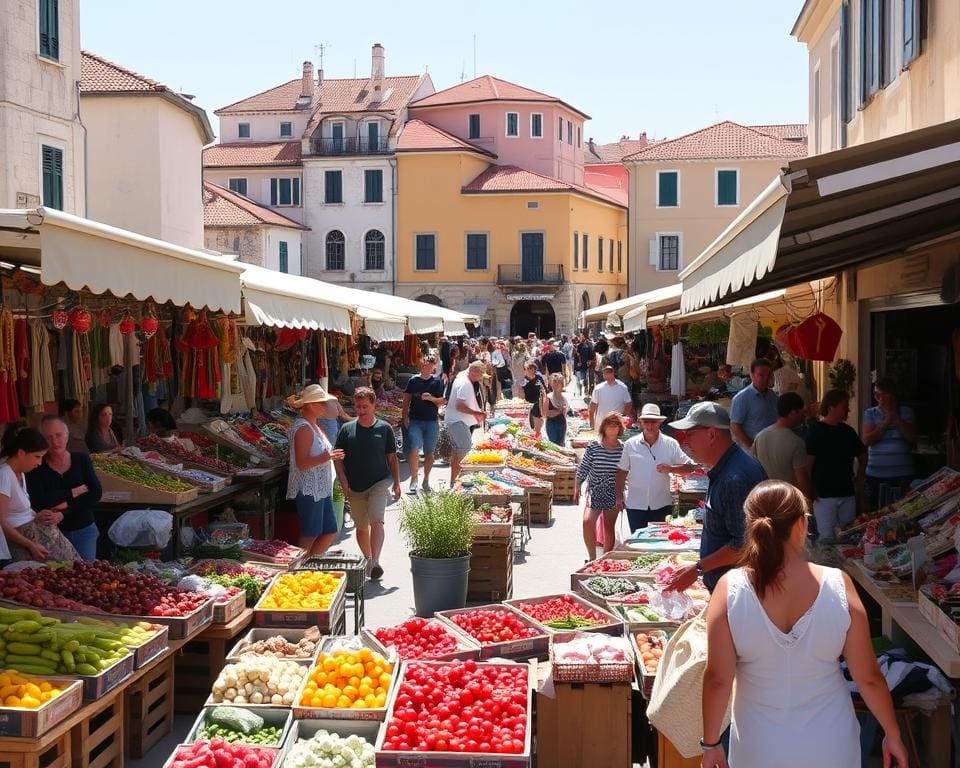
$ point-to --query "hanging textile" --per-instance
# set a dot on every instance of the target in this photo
(99, 339)
(9, 405)
(742, 346)
(115, 345)
(678, 371)
(41, 370)
(158, 361)
(201, 360)
(21, 350)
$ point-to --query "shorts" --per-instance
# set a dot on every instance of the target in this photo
(421, 435)
(316, 517)
(832, 512)
(370, 506)
(461, 439)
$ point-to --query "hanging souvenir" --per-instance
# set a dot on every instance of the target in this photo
(149, 324)
(127, 325)
(819, 337)
(105, 318)
(60, 319)
(80, 320)
(200, 373)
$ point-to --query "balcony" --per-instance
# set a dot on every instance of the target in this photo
(333, 147)
(530, 274)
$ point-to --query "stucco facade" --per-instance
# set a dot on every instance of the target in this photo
(38, 106)
(257, 245)
(258, 185)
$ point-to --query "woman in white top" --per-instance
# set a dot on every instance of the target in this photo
(778, 625)
(310, 482)
(27, 535)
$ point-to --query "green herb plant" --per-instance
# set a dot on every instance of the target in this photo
(438, 525)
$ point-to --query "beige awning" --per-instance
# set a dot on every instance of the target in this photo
(290, 301)
(667, 296)
(770, 304)
(826, 213)
(85, 254)
(381, 327)
(420, 316)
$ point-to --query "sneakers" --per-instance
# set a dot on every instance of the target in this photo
(413, 486)
(376, 573)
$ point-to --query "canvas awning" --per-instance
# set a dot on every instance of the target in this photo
(290, 301)
(381, 327)
(85, 254)
(770, 304)
(830, 212)
(634, 306)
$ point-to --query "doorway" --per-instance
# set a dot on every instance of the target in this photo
(531, 257)
(536, 316)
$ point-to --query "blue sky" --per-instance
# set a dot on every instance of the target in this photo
(664, 66)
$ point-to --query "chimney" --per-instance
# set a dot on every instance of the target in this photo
(376, 69)
(306, 84)
(590, 144)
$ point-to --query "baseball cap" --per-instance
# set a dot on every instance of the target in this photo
(707, 414)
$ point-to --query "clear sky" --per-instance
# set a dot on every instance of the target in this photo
(664, 66)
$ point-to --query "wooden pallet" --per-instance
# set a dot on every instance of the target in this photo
(23, 753)
(564, 481)
(540, 506)
(491, 570)
(149, 709)
(200, 660)
(97, 741)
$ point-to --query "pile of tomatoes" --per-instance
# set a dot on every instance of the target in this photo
(607, 566)
(418, 638)
(460, 707)
(493, 625)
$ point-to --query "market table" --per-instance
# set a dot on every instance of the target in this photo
(901, 619)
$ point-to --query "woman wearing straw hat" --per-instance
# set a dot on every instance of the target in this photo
(310, 482)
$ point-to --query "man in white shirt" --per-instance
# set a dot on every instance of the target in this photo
(645, 467)
(463, 413)
(608, 396)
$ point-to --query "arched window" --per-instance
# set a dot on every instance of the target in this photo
(584, 302)
(336, 260)
(603, 299)
(373, 250)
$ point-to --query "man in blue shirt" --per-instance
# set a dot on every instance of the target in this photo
(754, 407)
(733, 474)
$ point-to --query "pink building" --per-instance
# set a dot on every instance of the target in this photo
(522, 127)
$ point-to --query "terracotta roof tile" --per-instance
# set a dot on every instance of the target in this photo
(487, 88)
(510, 178)
(97, 75)
(223, 208)
(723, 141)
(790, 131)
(417, 135)
(332, 95)
(252, 153)
(614, 152)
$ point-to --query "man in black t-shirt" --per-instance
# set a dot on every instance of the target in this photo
(585, 362)
(421, 426)
(553, 359)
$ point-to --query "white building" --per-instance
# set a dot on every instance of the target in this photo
(41, 138)
(321, 151)
(144, 151)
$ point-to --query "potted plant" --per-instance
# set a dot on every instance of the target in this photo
(842, 375)
(438, 527)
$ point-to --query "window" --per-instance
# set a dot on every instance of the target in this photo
(239, 186)
(332, 187)
(576, 251)
(610, 253)
(513, 124)
(728, 187)
(476, 250)
(533, 205)
(474, 126)
(599, 254)
(669, 253)
(373, 186)
(846, 74)
(578, 135)
(817, 114)
(892, 40)
(569, 132)
(836, 107)
(871, 29)
(284, 257)
(560, 129)
(536, 125)
(620, 256)
(50, 29)
(668, 189)
(336, 261)
(286, 130)
(426, 252)
(51, 159)
(374, 249)
(243, 130)
(913, 29)
(285, 191)
(585, 242)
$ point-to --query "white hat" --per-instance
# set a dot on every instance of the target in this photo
(313, 393)
(651, 411)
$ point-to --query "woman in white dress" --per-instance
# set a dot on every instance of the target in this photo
(778, 626)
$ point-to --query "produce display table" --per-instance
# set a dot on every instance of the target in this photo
(901, 621)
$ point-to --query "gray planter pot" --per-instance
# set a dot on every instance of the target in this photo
(439, 584)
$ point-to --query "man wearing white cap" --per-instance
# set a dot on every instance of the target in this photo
(645, 467)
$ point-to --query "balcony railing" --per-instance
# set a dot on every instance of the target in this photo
(530, 274)
(348, 146)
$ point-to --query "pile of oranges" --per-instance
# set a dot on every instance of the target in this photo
(348, 680)
(303, 590)
(17, 690)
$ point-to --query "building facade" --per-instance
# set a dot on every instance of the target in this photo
(41, 137)
(685, 191)
(320, 151)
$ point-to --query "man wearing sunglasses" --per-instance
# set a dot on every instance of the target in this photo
(645, 467)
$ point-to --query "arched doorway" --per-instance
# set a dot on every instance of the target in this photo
(603, 299)
(536, 316)
(429, 298)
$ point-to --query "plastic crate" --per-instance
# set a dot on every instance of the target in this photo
(355, 566)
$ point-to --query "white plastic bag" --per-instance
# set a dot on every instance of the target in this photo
(142, 528)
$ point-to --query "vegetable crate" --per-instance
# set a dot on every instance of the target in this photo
(578, 582)
(148, 651)
(589, 671)
(303, 730)
(564, 481)
(97, 741)
(355, 566)
(148, 708)
(948, 629)
(255, 635)
(31, 723)
(645, 677)
(614, 625)
(96, 686)
(328, 620)
(119, 490)
(493, 499)
(467, 647)
(280, 717)
(540, 505)
(224, 613)
(276, 755)
(26, 753)
(491, 570)
(526, 648)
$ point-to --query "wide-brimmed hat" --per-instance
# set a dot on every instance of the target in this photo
(312, 393)
(651, 411)
(706, 414)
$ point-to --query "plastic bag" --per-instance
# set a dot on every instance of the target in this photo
(673, 605)
(142, 528)
(194, 583)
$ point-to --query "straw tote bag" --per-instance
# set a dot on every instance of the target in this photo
(676, 701)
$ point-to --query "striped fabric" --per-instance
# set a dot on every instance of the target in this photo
(599, 467)
(891, 455)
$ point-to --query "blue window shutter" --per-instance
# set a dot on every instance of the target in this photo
(296, 192)
(914, 22)
(667, 189)
(273, 191)
(52, 167)
(726, 187)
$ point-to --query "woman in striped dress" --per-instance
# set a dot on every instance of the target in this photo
(599, 468)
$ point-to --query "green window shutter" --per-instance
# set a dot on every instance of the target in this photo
(284, 263)
(333, 187)
(52, 167)
(599, 254)
(273, 191)
(50, 29)
(576, 250)
(667, 196)
(373, 186)
(474, 126)
(585, 251)
(727, 188)
(610, 253)
(296, 191)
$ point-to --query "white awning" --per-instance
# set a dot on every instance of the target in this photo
(635, 320)
(454, 328)
(658, 297)
(770, 303)
(85, 254)
(424, 324)
(290, 301)
(381, 327)
(421, 317)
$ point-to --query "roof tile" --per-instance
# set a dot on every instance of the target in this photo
(252, 153)
(224, 208)
(723, 141)
(420, 136)
(98, 75)
(511, 178)
(789, 131)
(487, 88)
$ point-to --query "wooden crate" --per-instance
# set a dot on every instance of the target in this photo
(149, 708)
(97, 741)
(491, 570)
(585, 724)
(24, 753)
(540, 505)
(119, 490)
(564, 481)
(200, 660)
(668, 757)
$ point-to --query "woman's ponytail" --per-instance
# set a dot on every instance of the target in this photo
(771, 509)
